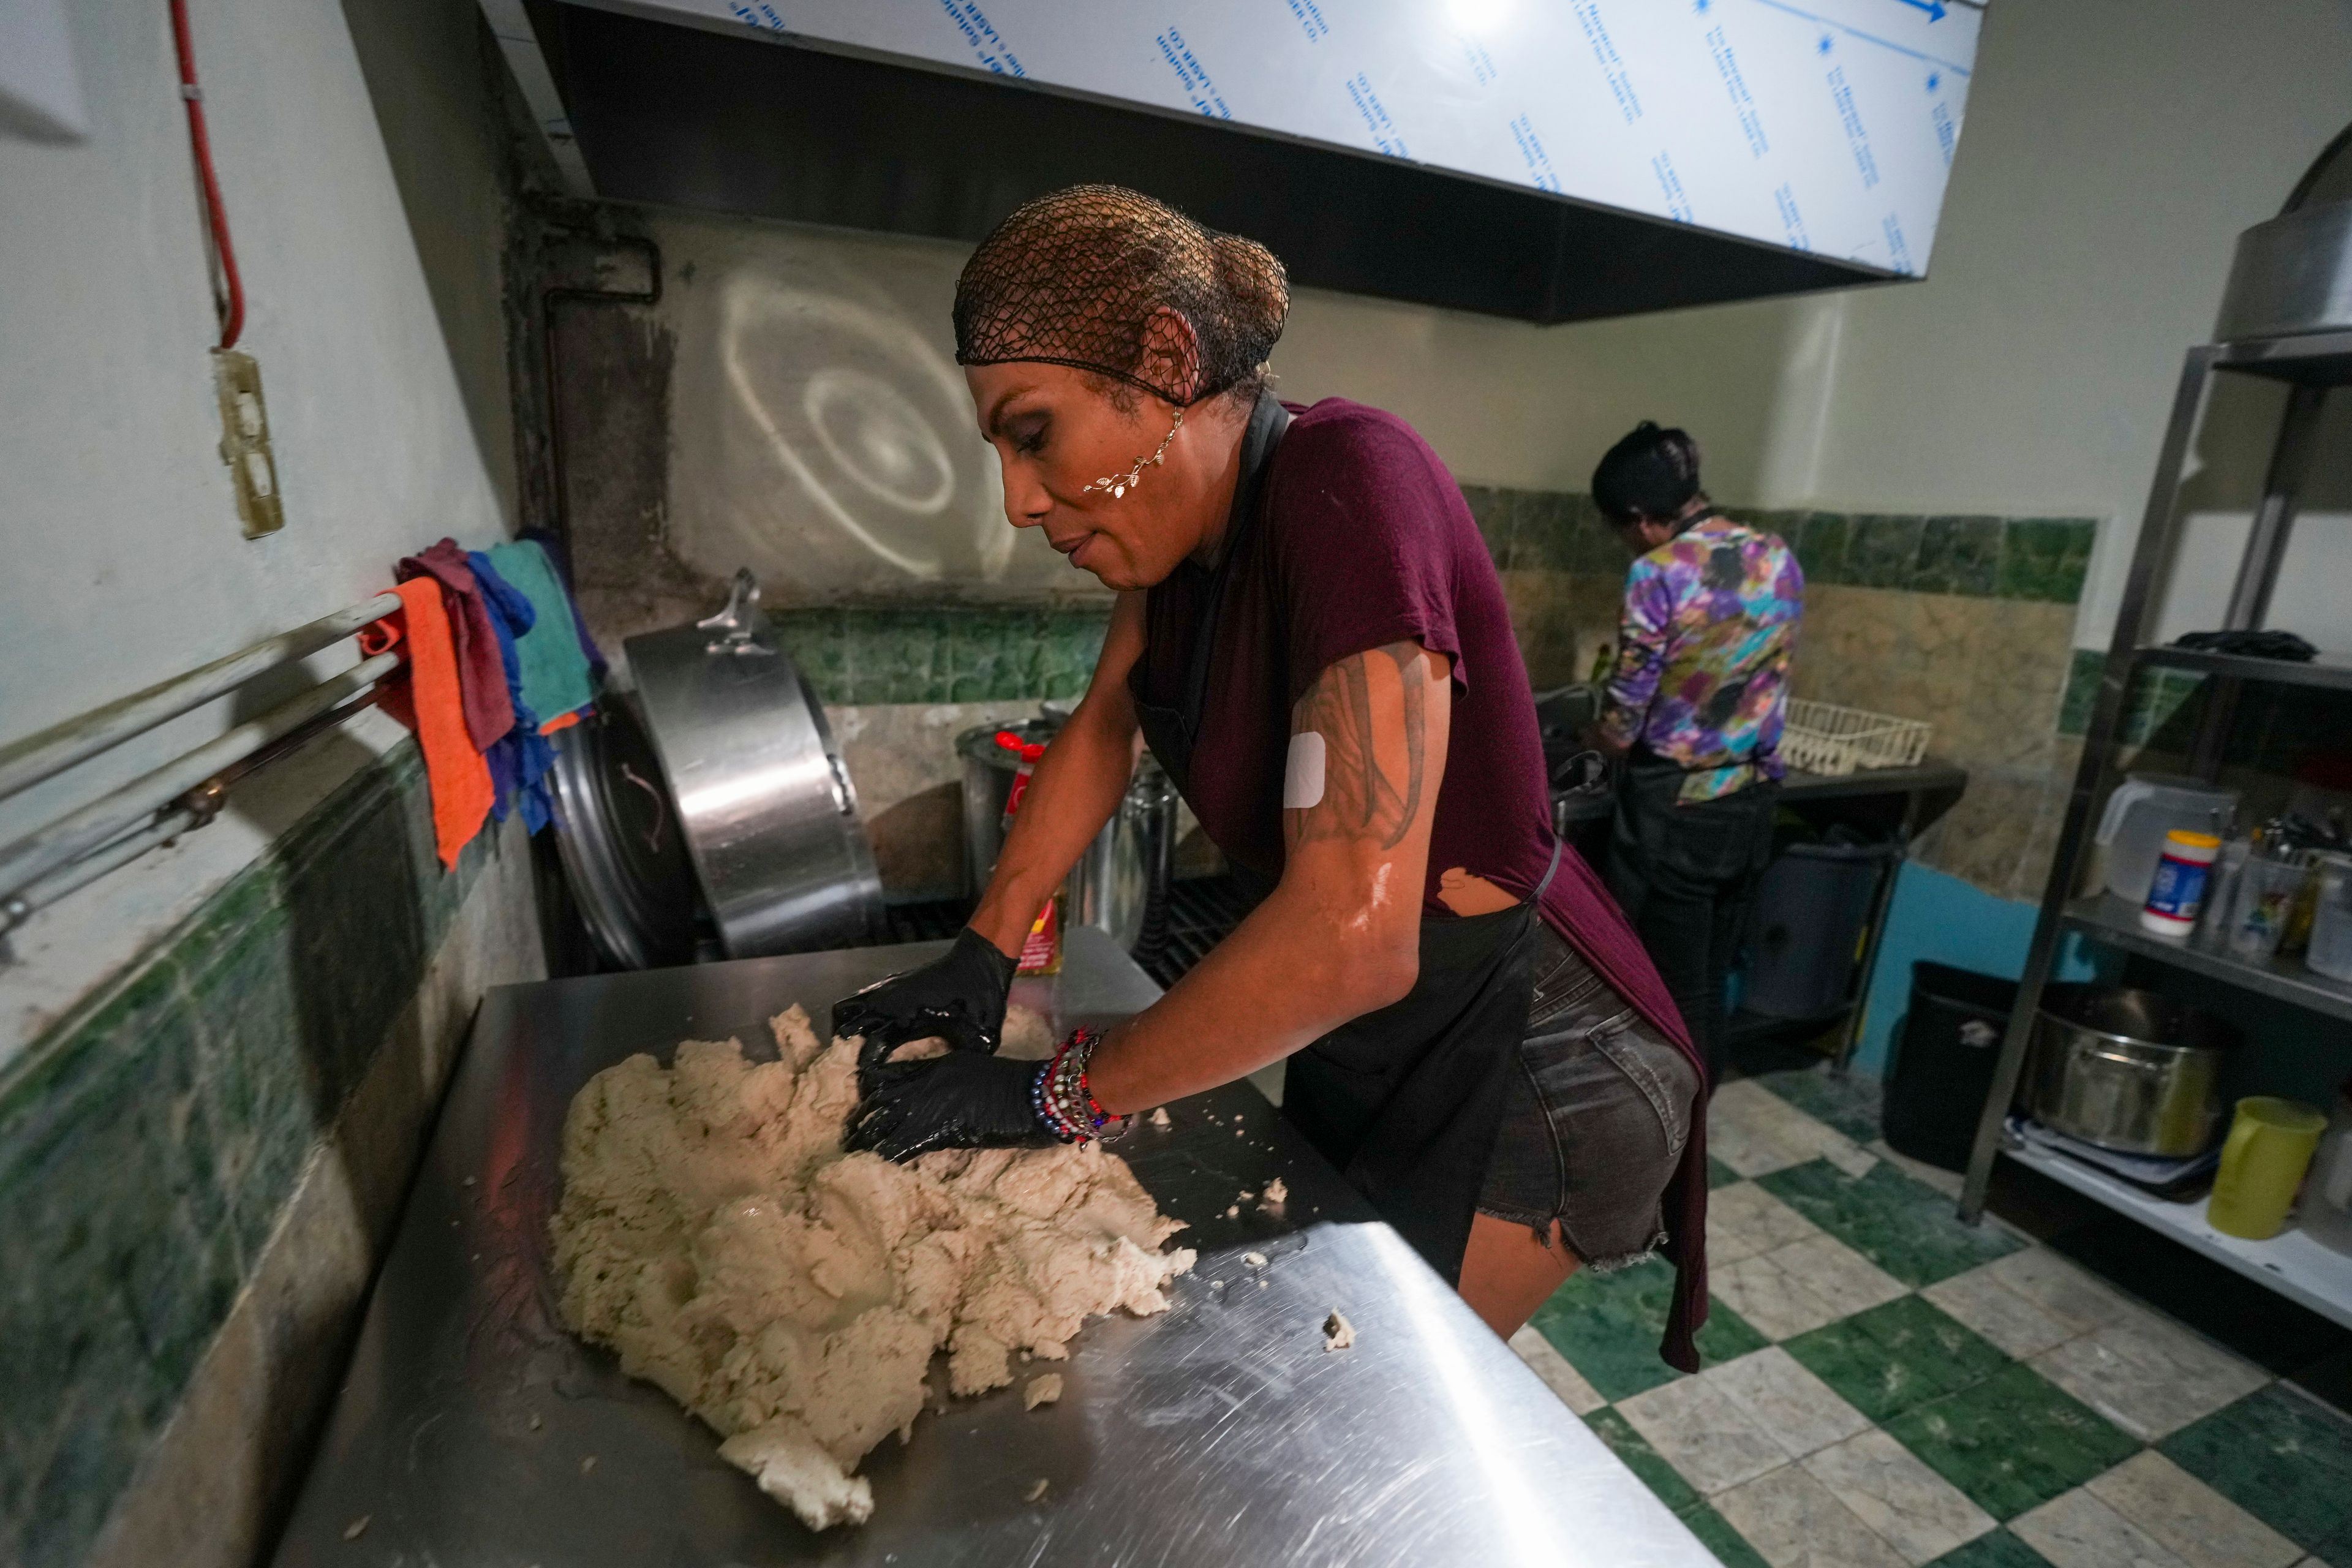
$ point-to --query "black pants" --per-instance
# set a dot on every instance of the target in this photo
(1686, 874)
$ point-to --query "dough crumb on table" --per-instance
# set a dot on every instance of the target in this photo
(713, 1233)
(1159, 1118)
(1277, 1192)
(1338, 1334)
(1046, 1390)
(1233, 1211)
(1254, 1259)
(1036, 1491)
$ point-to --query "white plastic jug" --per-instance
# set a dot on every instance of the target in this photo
(2144, 808)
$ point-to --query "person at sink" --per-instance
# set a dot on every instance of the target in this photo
(1691, 712)
(1312, 638)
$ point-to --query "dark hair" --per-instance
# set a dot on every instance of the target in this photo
(1650, 473)
(1074, 279)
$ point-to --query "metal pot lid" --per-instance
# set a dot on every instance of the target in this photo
(618, 832)
(769, 814)
(2146, 1019)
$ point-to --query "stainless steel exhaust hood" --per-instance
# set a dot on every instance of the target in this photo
(1548, 160)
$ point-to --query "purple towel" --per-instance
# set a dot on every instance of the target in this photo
(482, 675)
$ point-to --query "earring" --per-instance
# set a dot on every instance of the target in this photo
(1118, 485)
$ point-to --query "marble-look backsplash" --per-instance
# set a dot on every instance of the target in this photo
(1967, 622)
(1964, 621)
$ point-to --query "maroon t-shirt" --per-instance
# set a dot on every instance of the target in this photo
(1362, 539)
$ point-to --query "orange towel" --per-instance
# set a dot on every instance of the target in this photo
(561, 721)
(431, 703)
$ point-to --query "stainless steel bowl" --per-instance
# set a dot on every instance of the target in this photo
(2128, 1070)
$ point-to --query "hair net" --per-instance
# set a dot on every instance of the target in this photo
(1074, 279)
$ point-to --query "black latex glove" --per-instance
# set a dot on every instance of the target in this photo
(963, 1100)
(959, 996)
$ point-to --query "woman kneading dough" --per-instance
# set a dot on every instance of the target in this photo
(1311, 637)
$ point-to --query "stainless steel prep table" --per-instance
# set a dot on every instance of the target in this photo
(473, 1430)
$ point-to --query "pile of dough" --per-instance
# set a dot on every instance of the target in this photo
(714, 1234)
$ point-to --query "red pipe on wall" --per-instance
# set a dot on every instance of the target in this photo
(231, 303)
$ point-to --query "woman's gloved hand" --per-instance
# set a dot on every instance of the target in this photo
(964, 1099)
(959, 996)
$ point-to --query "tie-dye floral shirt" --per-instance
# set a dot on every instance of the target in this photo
(1702, 675)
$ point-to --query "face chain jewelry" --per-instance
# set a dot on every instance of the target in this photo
(1119, 486)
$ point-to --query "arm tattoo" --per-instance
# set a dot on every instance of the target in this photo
(1362, 796)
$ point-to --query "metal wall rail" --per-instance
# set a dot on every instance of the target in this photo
(27, 763)
(77, 849)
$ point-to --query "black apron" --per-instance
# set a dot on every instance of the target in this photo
(1404, 1102)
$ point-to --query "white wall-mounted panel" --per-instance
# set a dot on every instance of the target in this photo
(1827, 126)
(40, 92)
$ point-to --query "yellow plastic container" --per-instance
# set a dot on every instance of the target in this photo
(2269, 1148)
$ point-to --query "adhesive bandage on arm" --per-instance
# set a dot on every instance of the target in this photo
(1302, 775)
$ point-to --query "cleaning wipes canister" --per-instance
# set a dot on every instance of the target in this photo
(2178, 891)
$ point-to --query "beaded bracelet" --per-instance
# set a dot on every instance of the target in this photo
(1062, 1097)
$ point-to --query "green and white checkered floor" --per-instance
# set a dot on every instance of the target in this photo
(1885, 1387)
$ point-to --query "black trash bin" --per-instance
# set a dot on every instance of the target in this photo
(1806, 936)
(1944, 1062)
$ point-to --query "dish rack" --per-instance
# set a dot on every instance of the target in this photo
(1824, 738)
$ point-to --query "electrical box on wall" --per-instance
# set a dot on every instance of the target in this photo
(245, 442)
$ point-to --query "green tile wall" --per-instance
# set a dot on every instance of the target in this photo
(1978, 557)
(148, 1144)
(944, 653)
(962, 653)
(2153, 709)
(2276, 730)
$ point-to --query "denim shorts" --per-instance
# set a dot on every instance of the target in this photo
(1594, 1119)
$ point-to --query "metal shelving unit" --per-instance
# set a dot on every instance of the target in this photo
(2286, 317)
(2292, 1264)
(2115, 922)
(2330, 674)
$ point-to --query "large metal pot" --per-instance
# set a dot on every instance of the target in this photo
(1120, 884)
(2128, 1070)
(720, 761)
(987, 771)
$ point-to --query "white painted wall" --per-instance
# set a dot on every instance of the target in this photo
(2112, 153)
(821, 435)
(369, 248)
(2115, 149)
(1509, 404)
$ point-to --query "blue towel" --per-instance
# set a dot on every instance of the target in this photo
(561, 564)
(520, 759)
(558, 660)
